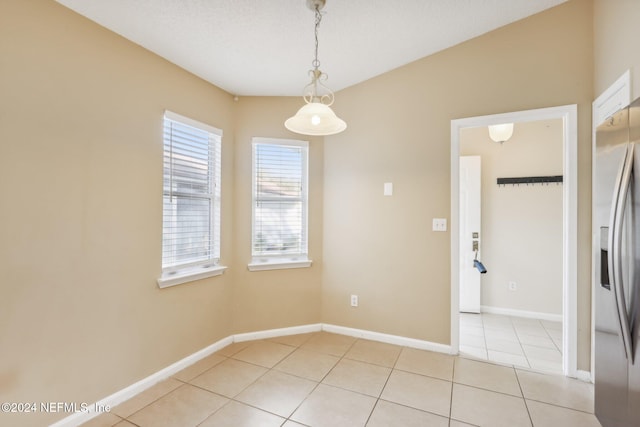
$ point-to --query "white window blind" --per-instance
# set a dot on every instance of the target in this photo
(191, 193)
(279, 198)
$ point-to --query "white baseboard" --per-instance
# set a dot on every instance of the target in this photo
(389, 339)
(130, 391)
(584, 376)
(272, 333)
(521, 313)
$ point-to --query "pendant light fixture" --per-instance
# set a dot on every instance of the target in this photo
(316, 117)
(501, 133)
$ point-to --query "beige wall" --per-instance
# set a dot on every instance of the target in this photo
(616, 34)
(521, 224)
(399, 131)
(81, 315)
(281, 298)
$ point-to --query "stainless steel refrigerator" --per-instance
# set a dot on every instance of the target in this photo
(616, 217)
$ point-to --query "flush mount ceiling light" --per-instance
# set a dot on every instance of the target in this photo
(501, 133)
(316, 117)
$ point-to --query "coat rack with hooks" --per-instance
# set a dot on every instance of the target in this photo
(530, 180)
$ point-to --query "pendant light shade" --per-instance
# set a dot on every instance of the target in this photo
(501, 133)
(315, 118)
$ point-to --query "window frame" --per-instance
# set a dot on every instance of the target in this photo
(191, 270)
(260, 262)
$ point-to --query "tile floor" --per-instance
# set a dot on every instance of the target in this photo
(517, 341)
(322, 379)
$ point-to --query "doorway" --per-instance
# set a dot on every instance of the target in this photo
(568, 116)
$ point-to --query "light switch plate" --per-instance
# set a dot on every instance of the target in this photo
(439, 224)
(388, 188)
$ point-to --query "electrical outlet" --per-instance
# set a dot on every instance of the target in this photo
(354, 300)
(513, 286)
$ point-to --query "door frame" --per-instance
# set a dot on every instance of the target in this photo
(473, 286)
(569, 116)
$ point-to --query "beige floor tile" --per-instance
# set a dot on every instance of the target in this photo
(550, 324)
(533, 352)
(473, 352)
(334, 344)
(378, 353)
(522, 321)
(475, 330)
(264, 353)
(424, 362)
(501, 334)
(544, 414)
(229, 377)
(190, 372)
(472, 340)
(557, 390)
(470, 319)
(537, 341)
(148, 396)
(545, 366)
(505, 346)
(360, 377)
(235, 414)
(456, 423)
(507, 358)
(183, 407)
(331, 407)
(307, 364)
(293, 340)
(105, 420)
(496, 322)
(232, 349)
(277, 392)
(290, 423)
(417, 391)
(531, 330)
(488, 408)
(125, 423)
(487, 376)
(388, 414)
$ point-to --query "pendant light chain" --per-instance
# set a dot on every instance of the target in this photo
(316, 62)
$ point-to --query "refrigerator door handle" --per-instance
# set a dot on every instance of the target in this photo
(615, 260)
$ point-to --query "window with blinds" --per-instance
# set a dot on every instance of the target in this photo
(191, 194)
(279, 198)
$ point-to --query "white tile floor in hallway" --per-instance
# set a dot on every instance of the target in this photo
(329, 380)
(517, 341)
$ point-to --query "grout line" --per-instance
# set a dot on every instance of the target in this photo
(515, 371)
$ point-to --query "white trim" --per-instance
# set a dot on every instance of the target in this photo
(584, 376)
(386, 338)
(569, 114)
(140, 386)
(193, 123)
(189, 275)
(278, 264)
(613, 99)
(521, 313)
(618, 94)
(282, 332)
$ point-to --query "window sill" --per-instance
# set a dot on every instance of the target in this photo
(278, 264)
(189, 275)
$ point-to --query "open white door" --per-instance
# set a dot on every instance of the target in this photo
(470, 198)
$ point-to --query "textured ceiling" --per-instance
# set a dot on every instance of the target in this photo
(260, 47)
